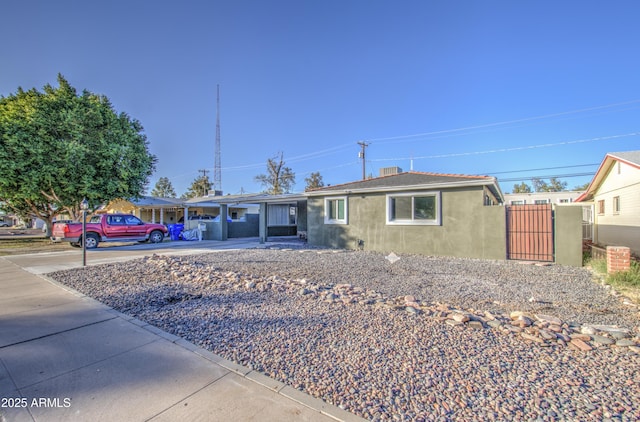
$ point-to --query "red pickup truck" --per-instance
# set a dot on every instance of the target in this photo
(109, 228)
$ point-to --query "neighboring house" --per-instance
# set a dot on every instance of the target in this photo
(173, 210)
(536, 198)
(411, 212)
(8, 219)
(206, 210)
(148, 208)
(615, 195)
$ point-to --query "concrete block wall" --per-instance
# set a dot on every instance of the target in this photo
(618, 258)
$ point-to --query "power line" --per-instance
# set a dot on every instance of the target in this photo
(294, 159)
(467, 154)
(526, 119)
(328, 151)
(557, 176)
(539, 169)
(461, 154)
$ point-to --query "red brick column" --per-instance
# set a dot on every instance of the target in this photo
(618, 258)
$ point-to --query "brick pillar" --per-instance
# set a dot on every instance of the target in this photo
(618, 258)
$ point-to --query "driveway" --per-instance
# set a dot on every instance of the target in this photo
(42, 263)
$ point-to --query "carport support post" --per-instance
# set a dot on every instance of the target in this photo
(262, 230)
(224, 225)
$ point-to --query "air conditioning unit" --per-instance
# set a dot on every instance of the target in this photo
(388, 171)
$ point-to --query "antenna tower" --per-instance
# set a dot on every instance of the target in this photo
(217, 168)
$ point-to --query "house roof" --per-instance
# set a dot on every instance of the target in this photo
(631, 158)
(396, 182)
(409, 181)
(247, 200)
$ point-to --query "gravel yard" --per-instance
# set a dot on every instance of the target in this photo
(422, 338)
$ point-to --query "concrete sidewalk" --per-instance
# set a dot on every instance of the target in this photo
(64, 356)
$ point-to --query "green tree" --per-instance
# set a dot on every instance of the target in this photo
(279, 178)
(582, 187)
(521, 188)
(199, 187)
(163, 189)
(539, 185)
(554, 185)
(314, 181)
(58, 147)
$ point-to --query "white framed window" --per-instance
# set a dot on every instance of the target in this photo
(421, 208)
(336, 210)
(601, 207)
(616, 205)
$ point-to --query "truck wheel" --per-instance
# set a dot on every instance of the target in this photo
(156, 236)
(92, 241)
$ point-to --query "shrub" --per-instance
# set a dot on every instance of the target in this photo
(627, 282)
(599, 265)
(629, 278)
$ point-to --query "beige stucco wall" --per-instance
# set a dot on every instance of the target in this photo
(468, 228)
(622, 228)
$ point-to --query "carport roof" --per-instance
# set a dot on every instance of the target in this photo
(257, 198)
(152, 201)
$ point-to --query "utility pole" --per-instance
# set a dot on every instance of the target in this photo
(363, 145)
(204, 175)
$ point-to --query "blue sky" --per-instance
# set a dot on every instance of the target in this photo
(469, 87)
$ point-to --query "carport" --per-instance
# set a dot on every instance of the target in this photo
(280, 215)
